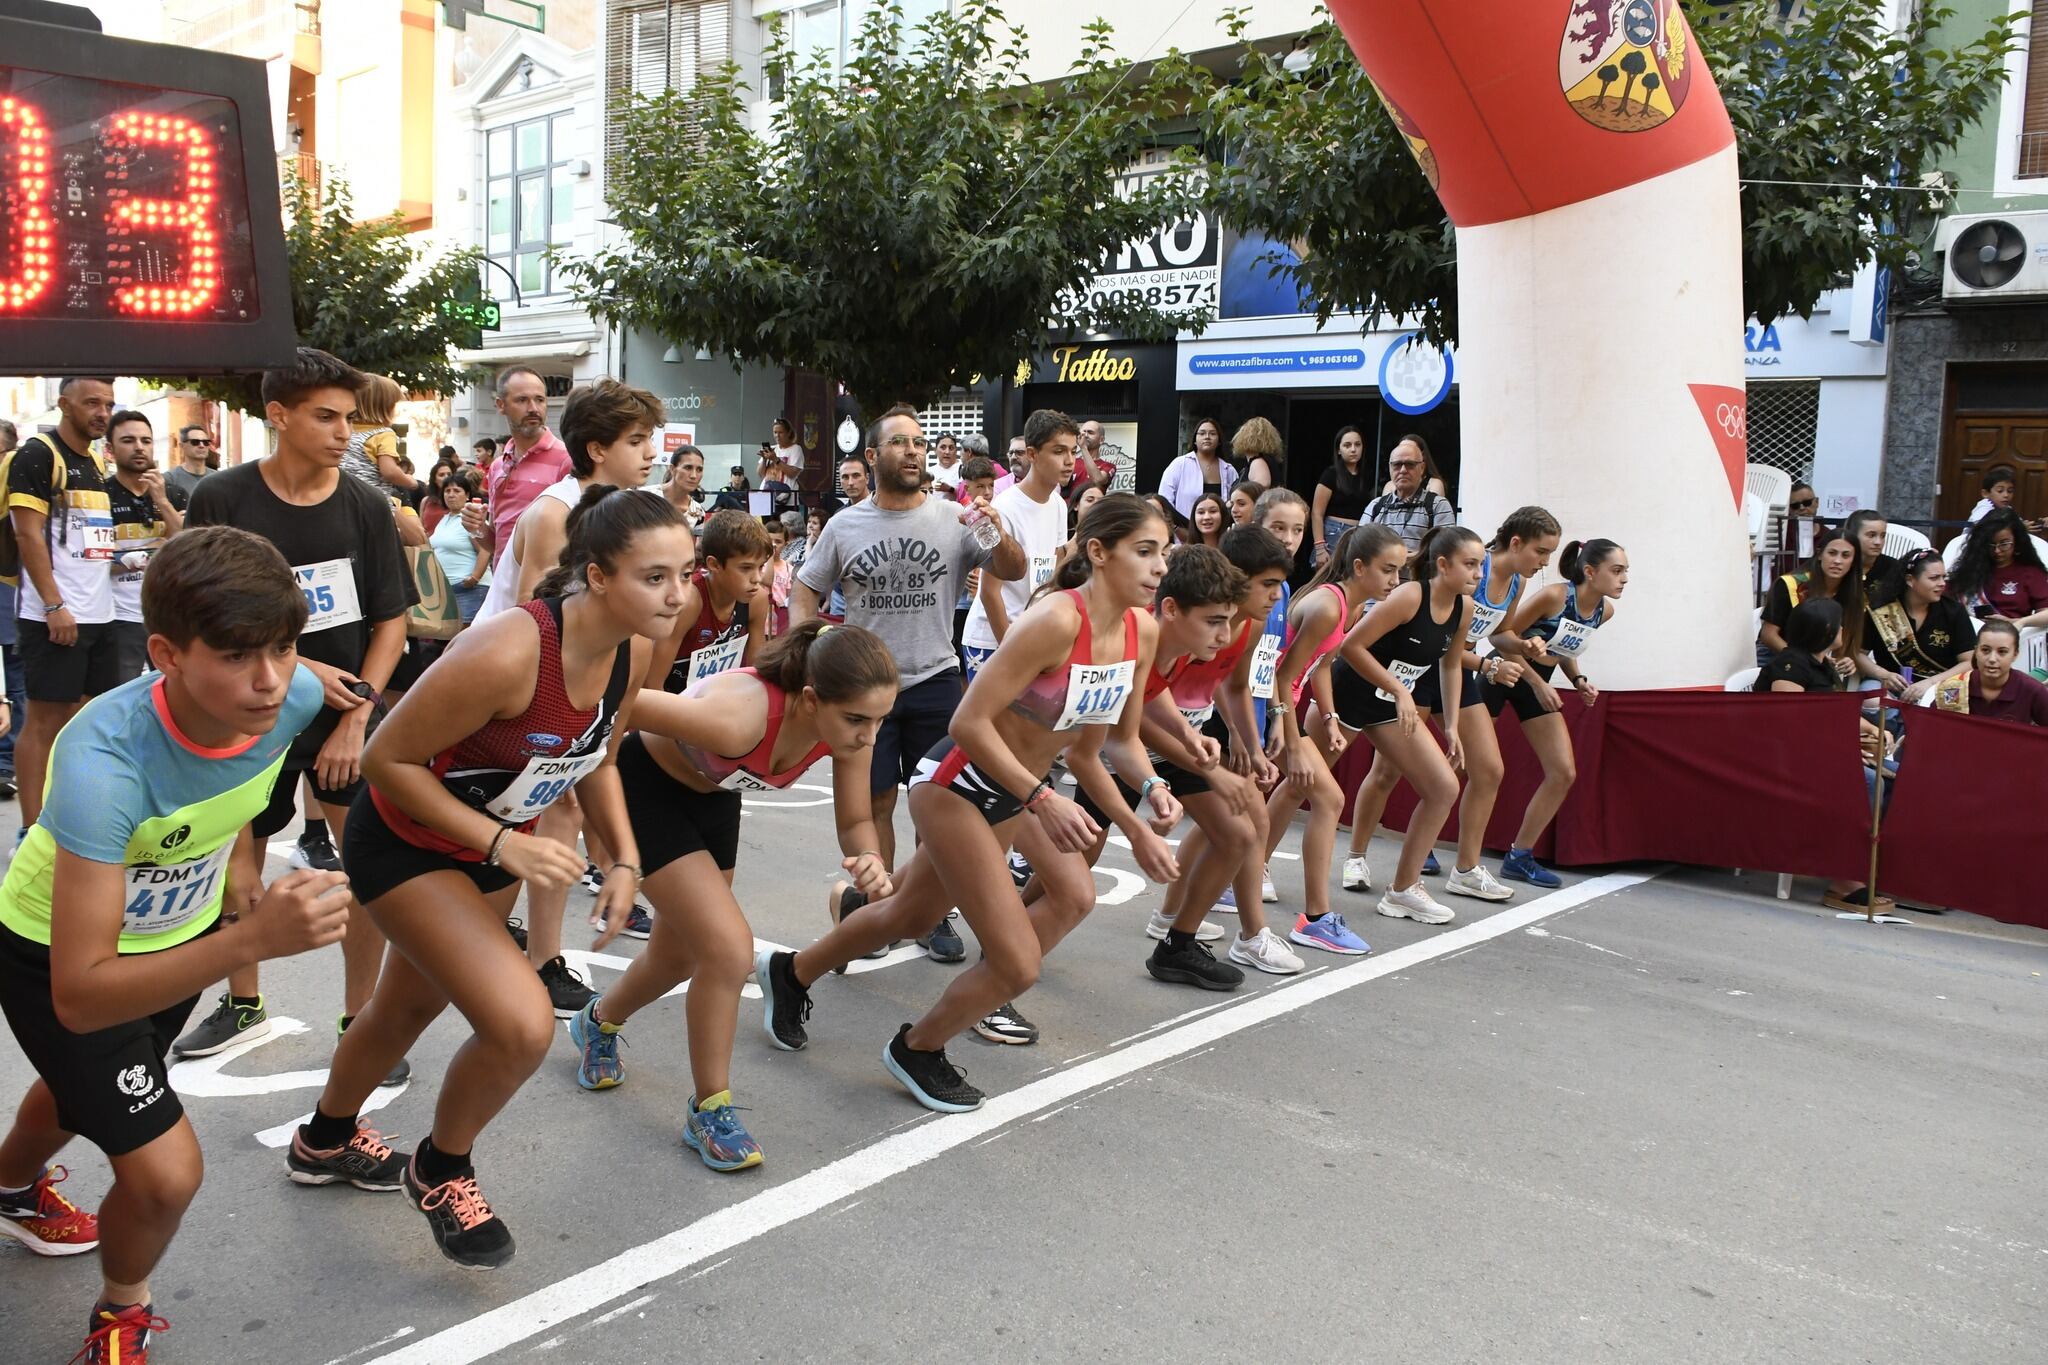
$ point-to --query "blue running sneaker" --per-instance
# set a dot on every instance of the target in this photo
(1330, 933)
(1227, 902)
(714, 1131)
(1521, 866)
(1431, 867)
(639, 922)
(600, 1067)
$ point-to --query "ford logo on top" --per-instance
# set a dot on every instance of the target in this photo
(545, 741)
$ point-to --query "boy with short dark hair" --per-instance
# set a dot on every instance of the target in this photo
(134, 891)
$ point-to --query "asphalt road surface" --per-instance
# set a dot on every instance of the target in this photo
(1645, 1118)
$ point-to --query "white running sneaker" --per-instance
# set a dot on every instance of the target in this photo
(1157, 926)
(1477, 881)
(1357, 876)
(1266, 891)
(1415, 903)
(1266, 952)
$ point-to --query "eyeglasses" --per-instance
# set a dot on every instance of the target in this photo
(201, 441)
(1798, 503)
(1404, 464)
(907, 443)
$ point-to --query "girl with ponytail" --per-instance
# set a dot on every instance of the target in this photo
(1557, 625)
(1519, 550)
(1404, 658)
(1075, 660)
(539, 697)
(1306, 742)
(820, 690)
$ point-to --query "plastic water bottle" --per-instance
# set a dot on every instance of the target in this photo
(987, 534)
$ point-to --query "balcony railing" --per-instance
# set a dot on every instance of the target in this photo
(308, 168)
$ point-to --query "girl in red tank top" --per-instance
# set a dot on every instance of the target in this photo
(984, 787)
(818, 690)
(540, 698)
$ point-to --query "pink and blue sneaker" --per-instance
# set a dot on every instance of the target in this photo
(599, 1068)
(1330, 933)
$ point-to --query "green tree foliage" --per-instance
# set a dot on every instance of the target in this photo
(1829, 103)
(367, 292)
(922, 218)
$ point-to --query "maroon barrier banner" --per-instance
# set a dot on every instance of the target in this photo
(1714, 779)
(1966, 816)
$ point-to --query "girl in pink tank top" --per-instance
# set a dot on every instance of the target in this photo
(819, 690)
(1071, 664)
(1304, 736)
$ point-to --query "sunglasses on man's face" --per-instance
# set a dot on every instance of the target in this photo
(1804, 503)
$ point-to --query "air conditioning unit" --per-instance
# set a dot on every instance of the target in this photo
(1993, 257)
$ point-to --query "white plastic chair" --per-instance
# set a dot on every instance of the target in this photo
(1953, 551)
(1773, 486)
(1742, 680)
(1900, 541)
(1758, 513)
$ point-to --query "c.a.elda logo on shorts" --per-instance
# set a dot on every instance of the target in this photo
(134, 1081)
(1626, 65)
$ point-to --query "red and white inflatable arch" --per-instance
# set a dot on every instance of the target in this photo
(1584, 154)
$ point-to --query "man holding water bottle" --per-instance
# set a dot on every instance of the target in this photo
(900, 556)
(147, 511)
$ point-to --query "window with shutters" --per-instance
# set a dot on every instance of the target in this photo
(653, 46)
(2033, 158)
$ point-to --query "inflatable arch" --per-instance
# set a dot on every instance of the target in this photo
(1582, 150)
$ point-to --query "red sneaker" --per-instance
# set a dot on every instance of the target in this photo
(46, 1222)
(120, 1338)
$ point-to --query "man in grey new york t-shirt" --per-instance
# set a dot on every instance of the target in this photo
(899, 557)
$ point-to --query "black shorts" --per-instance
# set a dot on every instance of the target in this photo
(1521, 696)
(947, 765)
(110, 1084)
(68, 673)
(1359, 704)
(1429, 692)
(913, 726)
(379, 860)
(276, 817)
(670, 820)
(131, 648)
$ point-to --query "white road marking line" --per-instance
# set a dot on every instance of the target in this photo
(1123, 842)
(400, 1335)
(738, 1224)
(623, 1309)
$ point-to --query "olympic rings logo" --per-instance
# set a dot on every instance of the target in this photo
(1733, 420)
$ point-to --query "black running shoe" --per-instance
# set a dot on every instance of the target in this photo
(518, 932)
(364, 1162)
(465, 1229)
(935, 1082)
(227, 1025)
(592, 880)
(842, 900)
(1192, 964)
(944, 944)
(639, 922)
(566, 990)
(315, 851)
(1004, 1024)
(785, 1004)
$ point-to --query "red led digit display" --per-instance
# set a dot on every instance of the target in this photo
(121, 201)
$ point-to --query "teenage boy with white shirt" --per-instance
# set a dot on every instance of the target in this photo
(1035, 514)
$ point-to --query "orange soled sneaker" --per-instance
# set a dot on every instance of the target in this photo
(119, 1336)
(45, 1221)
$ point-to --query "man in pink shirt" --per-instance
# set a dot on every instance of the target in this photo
(533, 459)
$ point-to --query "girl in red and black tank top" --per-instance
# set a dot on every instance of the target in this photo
(540, 698)
(1071, 661)
(819, 690)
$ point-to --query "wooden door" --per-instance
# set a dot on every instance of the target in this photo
(1978, 441)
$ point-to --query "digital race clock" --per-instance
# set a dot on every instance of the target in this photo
(139, 223)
